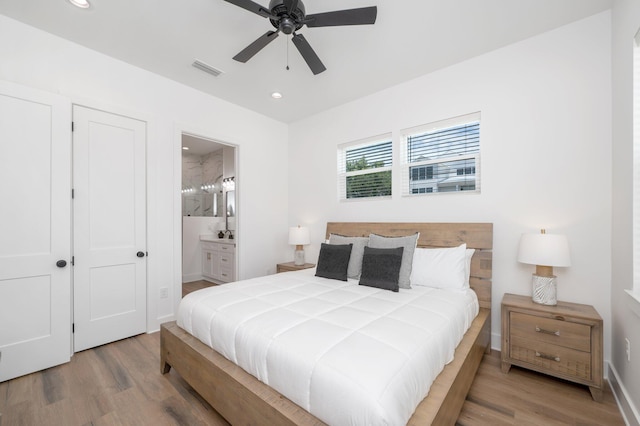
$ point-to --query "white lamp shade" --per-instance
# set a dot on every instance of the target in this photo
(299, 236)
(544, 249)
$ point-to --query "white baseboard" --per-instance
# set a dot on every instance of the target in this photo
(155, 327)
(496, 342)
(628, 410)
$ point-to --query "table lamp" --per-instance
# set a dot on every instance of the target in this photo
(545, 251)
(299, 236)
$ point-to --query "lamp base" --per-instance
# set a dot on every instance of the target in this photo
(298, 257)
(544, 290)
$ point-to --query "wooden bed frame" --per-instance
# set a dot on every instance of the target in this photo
(243, 400)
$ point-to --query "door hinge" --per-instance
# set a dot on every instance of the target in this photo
(72, 126)
(73, 193)
(147, 254)
(73, 260)
(73, 327)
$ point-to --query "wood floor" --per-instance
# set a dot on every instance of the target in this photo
(524, 397)
(195, 285)
(120, 384)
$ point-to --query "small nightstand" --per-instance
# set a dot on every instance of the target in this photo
(290, 266)
(564, 341)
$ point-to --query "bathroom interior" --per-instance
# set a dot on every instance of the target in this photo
(209, 225)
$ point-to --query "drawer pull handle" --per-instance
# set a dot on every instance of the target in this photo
(549, 357)
(542, 330)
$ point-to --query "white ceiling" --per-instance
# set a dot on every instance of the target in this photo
(409, 39)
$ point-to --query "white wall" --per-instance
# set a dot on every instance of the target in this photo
(626, 22)
(546, 156)
(34, 58)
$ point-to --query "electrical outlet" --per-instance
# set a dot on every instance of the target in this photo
(628, 348)
(164, 292)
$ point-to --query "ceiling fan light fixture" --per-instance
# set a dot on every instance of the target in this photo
(82, 4)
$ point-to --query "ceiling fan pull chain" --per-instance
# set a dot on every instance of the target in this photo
(287, 43)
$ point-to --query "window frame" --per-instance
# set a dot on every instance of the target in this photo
(343, 174)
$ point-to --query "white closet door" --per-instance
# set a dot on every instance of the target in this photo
(35, 230)
(110, 293)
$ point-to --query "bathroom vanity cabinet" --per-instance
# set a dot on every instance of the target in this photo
(218, 260)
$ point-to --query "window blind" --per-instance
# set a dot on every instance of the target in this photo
(442, 156)
(364, 168)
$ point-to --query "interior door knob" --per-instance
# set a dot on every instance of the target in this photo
(61, 263)
(140, 254)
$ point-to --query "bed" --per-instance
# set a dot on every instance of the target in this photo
(242, 399)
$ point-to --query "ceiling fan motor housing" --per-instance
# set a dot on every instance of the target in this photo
(287, 22)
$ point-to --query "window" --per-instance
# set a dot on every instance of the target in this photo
(421, 173)
(364, 168)
(442, 156)
(421, 190)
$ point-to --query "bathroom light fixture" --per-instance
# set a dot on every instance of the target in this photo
(229, 183)
(186, 148)
(82, 4)
(276, 95)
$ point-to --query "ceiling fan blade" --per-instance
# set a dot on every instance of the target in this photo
(251, 7)
(308, 54)
(360, 16)
(249, 51)
(291, 5)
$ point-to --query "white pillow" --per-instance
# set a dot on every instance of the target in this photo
(441, 268)
(468, 254)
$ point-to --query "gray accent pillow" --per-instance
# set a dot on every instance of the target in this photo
(355, 262)
(381, 268)
(333, 261)
(408, 243)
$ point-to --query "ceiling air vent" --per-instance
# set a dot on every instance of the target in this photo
(206, 68)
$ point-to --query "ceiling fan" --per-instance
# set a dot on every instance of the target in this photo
(289, 16)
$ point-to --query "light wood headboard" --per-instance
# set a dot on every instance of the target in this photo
(478, 236)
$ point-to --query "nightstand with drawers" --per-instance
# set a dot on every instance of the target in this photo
(564, 340)
(291, 266)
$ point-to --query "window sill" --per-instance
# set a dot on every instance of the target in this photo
(633, 301)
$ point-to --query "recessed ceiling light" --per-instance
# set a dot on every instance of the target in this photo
(276, 95)
(186, 148)
(83, 4)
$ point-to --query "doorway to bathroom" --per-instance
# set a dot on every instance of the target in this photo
(209, 213)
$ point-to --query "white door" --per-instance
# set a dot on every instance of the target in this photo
(109, 242)
(35, 230)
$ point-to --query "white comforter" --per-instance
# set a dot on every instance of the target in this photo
(348, 354)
